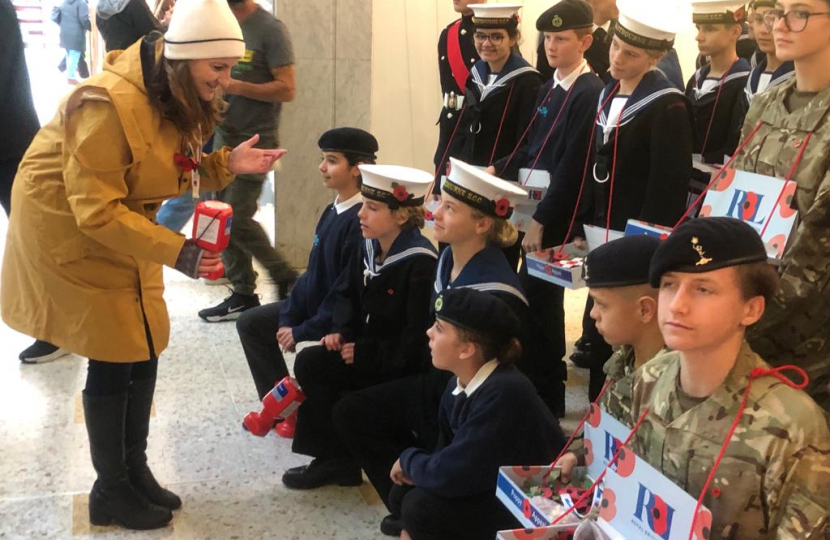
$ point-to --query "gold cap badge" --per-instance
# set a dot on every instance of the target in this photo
(439, 303)
(557, 21)
(701, 252)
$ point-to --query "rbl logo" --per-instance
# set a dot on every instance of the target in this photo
(654, 511)
(611, 445)
(745, 206)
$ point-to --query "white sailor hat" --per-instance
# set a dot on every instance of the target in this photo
(495, 15)
(493, 196)
(395, 185)
(650, 24)
(718, 12)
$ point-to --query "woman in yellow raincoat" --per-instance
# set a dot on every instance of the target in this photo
(83, 261)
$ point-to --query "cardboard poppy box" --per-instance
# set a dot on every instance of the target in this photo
(597, 236)
(635, 227)
(515, 486)
(536, 183)
(637, 500)
(565, 272)
(555, 532)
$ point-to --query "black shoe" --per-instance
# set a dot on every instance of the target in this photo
(581, 357)
(41, 352)
(113, 498)
(391, 526)
(230, 309)
(318, 473)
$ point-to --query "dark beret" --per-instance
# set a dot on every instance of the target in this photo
(707, 244)
(620, 263)
(349, 141)
(566, 15)
(479, 312)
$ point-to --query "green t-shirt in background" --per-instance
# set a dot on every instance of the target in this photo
(267, 46)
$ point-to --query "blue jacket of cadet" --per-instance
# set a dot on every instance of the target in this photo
(501, 422)
(486, 271)
(308, 310)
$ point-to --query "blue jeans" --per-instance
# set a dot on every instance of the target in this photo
(72, 59)
(175, 213)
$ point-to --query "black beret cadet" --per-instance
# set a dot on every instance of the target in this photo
(349, 140)
(478, 312)
(620, 263)
(566, 15)
(707, 244)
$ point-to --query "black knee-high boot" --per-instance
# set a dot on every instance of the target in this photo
(139, 404)
(113, 498)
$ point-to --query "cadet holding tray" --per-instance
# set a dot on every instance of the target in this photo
(380, 317)
(490, 415)
(716, 90)
(791, 138)
(714, 394)
(643, 139)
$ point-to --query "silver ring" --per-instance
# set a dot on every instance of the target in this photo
(597, 180)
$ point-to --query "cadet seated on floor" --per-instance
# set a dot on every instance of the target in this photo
(772, 480)
(490, 416)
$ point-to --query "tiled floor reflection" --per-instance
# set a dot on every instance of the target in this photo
(229, 481)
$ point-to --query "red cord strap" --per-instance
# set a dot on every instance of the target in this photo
(611, 463)
(787, 180)
(524, 133)
(442, 163)
(560, 253)
(756, 373)
(715, 109)
(501, 124)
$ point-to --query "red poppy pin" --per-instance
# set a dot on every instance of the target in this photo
(399, 192)
(502, 207)
(185, 163)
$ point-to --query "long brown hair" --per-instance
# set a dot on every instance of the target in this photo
(171, 89)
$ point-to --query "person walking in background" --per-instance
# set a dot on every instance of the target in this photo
(261, 82)
(73, 18)
(17, 110)
(123, 22)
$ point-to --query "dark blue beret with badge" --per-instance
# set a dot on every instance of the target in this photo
(478, 312)
(566, 15)
(707, 244)
(620, 263)
(348, 140)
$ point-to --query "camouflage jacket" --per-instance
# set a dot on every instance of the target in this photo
(617, 399)
(795, 328)
(773, 479)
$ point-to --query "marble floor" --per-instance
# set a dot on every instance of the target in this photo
(229, 480)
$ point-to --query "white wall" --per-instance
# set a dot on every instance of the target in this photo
(406, 95)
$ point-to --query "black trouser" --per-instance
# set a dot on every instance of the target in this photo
(8, 170)
(104, 379)
(324, 378)
(380, 422)
(426, 516)
(257, 328)
(547, 311)
(600, 351)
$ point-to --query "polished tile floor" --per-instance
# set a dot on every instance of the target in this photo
(229, 480)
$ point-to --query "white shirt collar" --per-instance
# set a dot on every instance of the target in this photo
(483, 373)
(605, 26)
(568, 81)
(341, 207)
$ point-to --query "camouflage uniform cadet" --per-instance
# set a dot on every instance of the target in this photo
(795, 328)
(774, 477)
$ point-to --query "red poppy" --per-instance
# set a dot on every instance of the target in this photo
(400, 193)
(716, 492)
(502, 207)
(185, 163)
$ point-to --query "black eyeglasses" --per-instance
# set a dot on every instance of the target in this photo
(795, 20)
(495, 39)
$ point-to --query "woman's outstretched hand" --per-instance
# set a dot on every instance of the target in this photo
(245, 159)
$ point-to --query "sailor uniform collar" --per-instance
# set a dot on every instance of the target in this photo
(653, 86)
(487, 271)
(739, 69)
(571, 78)
(408, 244)
(784, 73)
(516, 66)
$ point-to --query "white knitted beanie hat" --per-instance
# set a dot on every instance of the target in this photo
(202, 29)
